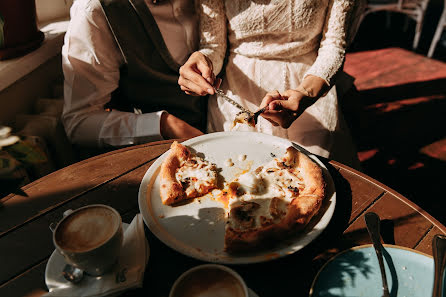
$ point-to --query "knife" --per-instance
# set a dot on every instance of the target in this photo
(230, 100)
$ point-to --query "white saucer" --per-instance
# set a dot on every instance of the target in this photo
(56, 263)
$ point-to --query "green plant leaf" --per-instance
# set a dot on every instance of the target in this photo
(26, 153)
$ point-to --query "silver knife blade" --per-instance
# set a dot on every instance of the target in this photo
(230, 100)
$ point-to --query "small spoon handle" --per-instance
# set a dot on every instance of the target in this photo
(439, 252)
(372, 221)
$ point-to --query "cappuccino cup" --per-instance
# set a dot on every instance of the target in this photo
(90, 238)
(209, 280)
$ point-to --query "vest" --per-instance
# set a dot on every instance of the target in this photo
(149, 76)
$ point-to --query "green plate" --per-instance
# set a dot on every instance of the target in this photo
(355, 273)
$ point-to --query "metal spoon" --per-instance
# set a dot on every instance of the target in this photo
(72, 274)
(372, 221)
(439, 251)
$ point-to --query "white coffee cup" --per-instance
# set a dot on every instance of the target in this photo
(209, 280)
(90, 238)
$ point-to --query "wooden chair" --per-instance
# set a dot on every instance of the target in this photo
(440, 27)
(414, 9)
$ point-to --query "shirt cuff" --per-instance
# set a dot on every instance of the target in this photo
(148, 127)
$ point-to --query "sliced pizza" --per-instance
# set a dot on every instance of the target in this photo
(184, 175)
(276, 200)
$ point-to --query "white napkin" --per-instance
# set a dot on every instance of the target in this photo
(127, 274)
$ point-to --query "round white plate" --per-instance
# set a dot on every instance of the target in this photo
(197, 229)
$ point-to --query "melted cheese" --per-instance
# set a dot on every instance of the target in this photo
(252, 206)
(249, 182)
(197, 176)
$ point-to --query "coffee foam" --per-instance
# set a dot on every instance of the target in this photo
(209, 282)
(86, 229)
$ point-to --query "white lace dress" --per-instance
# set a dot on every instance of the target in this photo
(273, 45)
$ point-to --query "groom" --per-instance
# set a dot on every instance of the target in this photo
(121, 60)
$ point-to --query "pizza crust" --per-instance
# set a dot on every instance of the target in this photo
(184, 175)
(171, 190)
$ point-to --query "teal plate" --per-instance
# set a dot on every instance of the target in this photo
(355, 273)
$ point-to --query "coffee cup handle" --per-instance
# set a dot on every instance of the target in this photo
(53, 225)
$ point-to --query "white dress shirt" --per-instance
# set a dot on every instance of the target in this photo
(91, 60)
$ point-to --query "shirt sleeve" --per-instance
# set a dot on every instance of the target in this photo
(91, 60)
(331, 53)
(212, 27)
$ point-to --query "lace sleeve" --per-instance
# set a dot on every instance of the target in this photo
(212, 31)
(333, 44)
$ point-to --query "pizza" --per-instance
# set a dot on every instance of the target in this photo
(275, 201)
(262, 206)
(184, 175)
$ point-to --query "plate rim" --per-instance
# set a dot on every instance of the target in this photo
(142, 193)
(359, 247)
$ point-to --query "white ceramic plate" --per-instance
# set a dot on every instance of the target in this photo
(197, 229)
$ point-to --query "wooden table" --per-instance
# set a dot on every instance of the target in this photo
(113, 179)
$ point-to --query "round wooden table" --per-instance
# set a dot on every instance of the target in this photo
(114, 178)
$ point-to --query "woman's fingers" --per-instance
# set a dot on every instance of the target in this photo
(194, 82)
(205, 68)
(283, 109)
(280, 117)
(196, 75)
(269, 97)
(192, 87)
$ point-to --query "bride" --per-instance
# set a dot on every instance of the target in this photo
(284, 54)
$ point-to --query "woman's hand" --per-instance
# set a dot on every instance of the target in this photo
(283, 109)
(197, 76)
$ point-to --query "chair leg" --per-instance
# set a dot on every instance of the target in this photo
(418, 29)
(440, 27)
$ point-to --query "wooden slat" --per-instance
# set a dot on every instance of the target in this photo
(67, 183)
(401, 223)
(32, 242)
(30, 283)
(425, 245)
(362, 190)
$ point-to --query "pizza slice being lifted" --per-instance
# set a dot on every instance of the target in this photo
(184, 175)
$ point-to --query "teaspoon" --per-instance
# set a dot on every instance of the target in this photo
(72, 274)
(372, 221)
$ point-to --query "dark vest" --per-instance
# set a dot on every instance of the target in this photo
(149, 77)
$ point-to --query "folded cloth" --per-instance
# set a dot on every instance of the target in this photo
(127, 274)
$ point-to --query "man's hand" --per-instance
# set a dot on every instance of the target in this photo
(284, 109)
(172, 127)
(197, 76)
